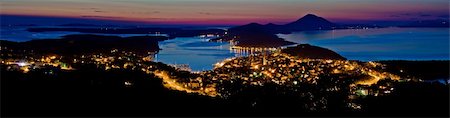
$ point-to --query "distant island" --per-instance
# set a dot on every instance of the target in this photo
(252, 35)
(171, 32)
(257, 35)
(85, 25)
(307, 22)
(429, 23)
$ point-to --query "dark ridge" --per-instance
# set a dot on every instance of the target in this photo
(312, 52)
(253, 35)
(172, 32)
(87, 44)
(78, 24)
(271, 24)
(310, 22)
(249, 28)
(429, 23)
(257, 35)
(29, 25)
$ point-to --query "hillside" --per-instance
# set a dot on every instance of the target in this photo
(86, 44)
(312, 52)
(257, 35)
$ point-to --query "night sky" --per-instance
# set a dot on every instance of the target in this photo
(228, 12)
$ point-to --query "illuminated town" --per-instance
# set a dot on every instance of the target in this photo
(352, 77)
(224, 58)
(313, 80)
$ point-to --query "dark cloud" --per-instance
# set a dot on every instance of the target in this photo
(93, 9)
(90, 8)
(205, 13)
(98, 11)
(405, 14)
(100, 17)
(146, 12)
(54, 20)
(425, 15)
(159, 18)
(394, 16)
(401, 15)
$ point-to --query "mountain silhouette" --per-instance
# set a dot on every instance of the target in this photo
(258, 35)
(249, 28)
(309, 22)
(253, 35)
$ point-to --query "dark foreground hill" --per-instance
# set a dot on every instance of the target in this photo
(425, 70)
(92, 91)
(87, 44)
(312, 52)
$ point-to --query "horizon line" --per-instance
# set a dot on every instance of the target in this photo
(199, 23)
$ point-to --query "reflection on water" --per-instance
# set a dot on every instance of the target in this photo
(360, 44)
(380, 44)
(197, 52)
(242, 51)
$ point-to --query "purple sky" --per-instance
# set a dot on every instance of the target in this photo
(229, 12)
